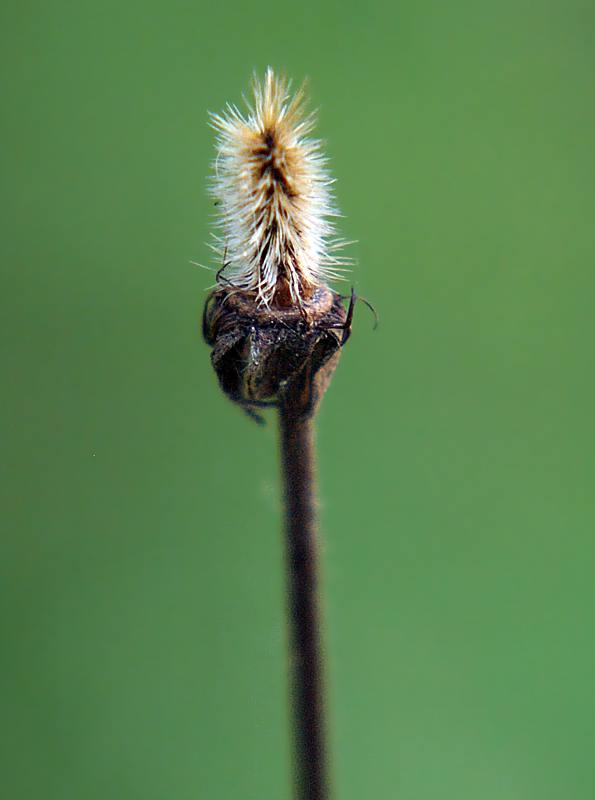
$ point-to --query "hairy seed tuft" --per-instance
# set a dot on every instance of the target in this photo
(274, 198)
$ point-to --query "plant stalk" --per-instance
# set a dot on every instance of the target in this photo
(305, 636)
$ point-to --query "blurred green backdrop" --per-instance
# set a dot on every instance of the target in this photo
(141, 588)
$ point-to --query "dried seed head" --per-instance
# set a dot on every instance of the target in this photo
(274, 197)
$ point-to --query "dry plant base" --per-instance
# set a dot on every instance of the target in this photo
(276, 356)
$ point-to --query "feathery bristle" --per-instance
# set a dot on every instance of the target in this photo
(274, 197)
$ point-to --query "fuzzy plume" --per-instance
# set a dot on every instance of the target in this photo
(274, 196)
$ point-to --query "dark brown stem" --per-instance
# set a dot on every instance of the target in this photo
(306, 654)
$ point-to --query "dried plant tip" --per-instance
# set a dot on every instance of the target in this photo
(274, 198)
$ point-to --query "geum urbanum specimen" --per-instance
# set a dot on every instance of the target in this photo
(277, 330)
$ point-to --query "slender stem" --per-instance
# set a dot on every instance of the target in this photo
(307, 687)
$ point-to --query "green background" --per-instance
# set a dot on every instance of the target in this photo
(141, 562)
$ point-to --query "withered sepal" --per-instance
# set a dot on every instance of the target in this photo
(275, 356)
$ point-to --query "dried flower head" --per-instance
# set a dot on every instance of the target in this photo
(274, 196)
(276, 329)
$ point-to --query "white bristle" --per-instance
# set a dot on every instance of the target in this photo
(274, 196)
